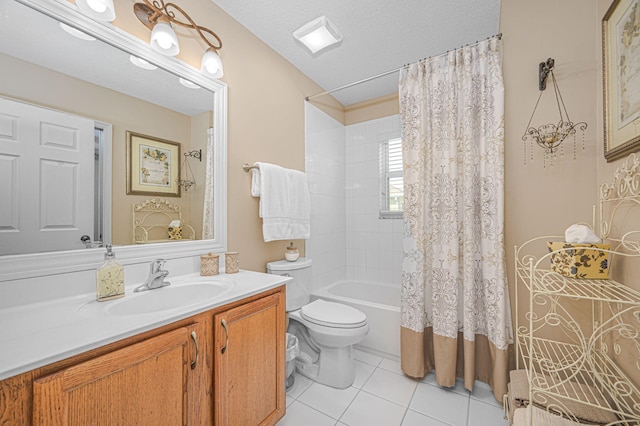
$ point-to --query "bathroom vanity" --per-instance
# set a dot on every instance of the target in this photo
(219, 361)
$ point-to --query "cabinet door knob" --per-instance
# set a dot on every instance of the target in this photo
(226, 343)
(195, 341)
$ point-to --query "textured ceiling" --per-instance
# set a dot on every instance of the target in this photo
(379, 36)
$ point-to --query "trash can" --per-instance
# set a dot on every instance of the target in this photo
(293, 350)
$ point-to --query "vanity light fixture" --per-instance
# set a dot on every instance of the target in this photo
(189, 179)
(159, 17)
(318, 34)
(101, 10)
(550, 136)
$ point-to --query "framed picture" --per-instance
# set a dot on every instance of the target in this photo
(153, 166)
(621, 72)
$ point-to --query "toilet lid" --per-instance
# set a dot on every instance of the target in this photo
(332, 314)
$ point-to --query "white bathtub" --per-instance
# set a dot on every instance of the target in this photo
(381, 305)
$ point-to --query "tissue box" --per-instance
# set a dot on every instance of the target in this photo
(580, 260)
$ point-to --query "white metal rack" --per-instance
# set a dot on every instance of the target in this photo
(580, 341)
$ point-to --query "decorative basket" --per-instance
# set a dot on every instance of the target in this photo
(175, 233)
(587, 261)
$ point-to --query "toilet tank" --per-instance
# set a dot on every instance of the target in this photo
(298, 289)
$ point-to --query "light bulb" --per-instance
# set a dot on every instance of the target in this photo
(97, 5)
(139, 62)
(164, 39)
(102, 10)
(76, 33)
(212, 64)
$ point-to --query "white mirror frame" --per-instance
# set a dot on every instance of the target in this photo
(15, 267)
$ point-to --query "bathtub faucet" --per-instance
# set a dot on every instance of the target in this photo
(156, 276)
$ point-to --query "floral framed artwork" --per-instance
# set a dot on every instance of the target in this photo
(153, 166)
(621, 78)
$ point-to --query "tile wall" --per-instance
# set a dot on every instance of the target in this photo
(348, 239)
(374, 245)
(325, 167)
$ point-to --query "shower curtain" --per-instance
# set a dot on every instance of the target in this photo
(207, 212)
(455, 316)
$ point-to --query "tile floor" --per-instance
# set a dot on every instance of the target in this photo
(382, 396)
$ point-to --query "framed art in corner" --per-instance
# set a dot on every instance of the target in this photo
(153, 166)
(621, 78)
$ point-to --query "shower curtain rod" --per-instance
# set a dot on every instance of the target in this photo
(364, 80)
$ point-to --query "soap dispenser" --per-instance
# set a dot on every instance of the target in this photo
(109, 278)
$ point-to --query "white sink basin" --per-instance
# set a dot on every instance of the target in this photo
(165, 298)
(161, 299)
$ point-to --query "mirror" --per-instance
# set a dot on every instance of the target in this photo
(46, 68)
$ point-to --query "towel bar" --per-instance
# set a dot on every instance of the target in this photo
(246, 167)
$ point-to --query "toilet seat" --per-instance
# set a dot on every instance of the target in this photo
(335, 315)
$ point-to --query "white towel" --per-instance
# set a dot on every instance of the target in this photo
(255, 181)
(300, 202)
(285, 206)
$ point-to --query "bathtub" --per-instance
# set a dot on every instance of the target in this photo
(381, 305)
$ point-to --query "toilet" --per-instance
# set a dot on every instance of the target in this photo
(326, 331)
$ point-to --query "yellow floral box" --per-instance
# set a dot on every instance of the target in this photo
(580, 260)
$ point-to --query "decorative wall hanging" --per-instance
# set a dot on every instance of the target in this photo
(621, 72)
(550, 136)
(153, 166)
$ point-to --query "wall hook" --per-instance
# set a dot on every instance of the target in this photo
(543, 72)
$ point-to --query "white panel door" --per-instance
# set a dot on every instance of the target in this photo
(46, 179)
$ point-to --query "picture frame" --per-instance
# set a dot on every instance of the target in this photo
(621, 77)
(153, 165)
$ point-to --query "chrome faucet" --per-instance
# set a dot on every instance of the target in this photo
(156, 276)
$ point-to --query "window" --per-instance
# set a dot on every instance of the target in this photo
(391, 181)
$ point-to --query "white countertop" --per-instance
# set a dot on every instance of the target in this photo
(38, 334)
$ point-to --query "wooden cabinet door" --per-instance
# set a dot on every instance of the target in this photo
(146, 383)
(249, 369)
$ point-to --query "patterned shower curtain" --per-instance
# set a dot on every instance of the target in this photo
(456, 316)
(207, 212)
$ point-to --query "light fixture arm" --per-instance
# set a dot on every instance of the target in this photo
(150, 12)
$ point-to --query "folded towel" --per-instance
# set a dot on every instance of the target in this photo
(300, 202)
(285, 206)
(255, 181)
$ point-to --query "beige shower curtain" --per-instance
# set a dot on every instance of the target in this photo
(455, 303)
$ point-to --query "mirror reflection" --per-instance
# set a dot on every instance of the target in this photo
(67, 104)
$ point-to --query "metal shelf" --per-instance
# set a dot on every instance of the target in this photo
(544, 281)
(580, 337)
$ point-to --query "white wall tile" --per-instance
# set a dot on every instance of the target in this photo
(348, 239)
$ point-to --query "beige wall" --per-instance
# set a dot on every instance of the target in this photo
(372, 109)
(546, 200)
